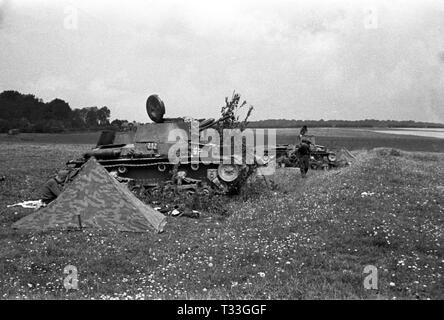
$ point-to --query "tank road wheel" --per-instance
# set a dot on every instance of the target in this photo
(122, 169)
(331, 157)
(228, 172)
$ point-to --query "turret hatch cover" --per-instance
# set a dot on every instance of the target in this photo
(155, 108)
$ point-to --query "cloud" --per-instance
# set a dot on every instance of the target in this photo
(4, 4)
(111, 87)
(292, 59)
(50, 86)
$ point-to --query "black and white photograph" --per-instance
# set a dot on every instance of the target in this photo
(243, 152)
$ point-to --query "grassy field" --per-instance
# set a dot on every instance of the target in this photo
(52, 138)
(334, 138)
(356, 139)
(298, 239)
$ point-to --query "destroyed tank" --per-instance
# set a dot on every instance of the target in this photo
(320, 156)
(140, 156)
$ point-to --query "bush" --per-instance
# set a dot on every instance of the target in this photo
(389, 152)
(395, 153)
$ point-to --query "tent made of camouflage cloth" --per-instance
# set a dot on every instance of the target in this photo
(95, 200)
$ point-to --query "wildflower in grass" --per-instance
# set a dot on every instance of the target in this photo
(261, 274)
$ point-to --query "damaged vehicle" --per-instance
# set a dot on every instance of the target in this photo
(320, 156)
(141, 157)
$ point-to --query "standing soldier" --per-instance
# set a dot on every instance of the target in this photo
(304, 158)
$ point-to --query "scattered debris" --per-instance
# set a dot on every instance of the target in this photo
(179, 213)
(30, 204)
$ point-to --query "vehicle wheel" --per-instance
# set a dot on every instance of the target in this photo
(154, 192)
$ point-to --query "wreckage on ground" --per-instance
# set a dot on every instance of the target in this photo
(321, 157)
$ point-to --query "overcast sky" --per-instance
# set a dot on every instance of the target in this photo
(289, 59)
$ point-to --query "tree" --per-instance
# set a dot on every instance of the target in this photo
(117, 124)
(230, 113)
(91, 117)
(29, 113)
(78, 118)
(59, 110)
(103, 115)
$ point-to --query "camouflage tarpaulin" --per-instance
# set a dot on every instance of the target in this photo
(100, 201)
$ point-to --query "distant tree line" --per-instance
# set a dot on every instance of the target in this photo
(367, 123)
(28, 113)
